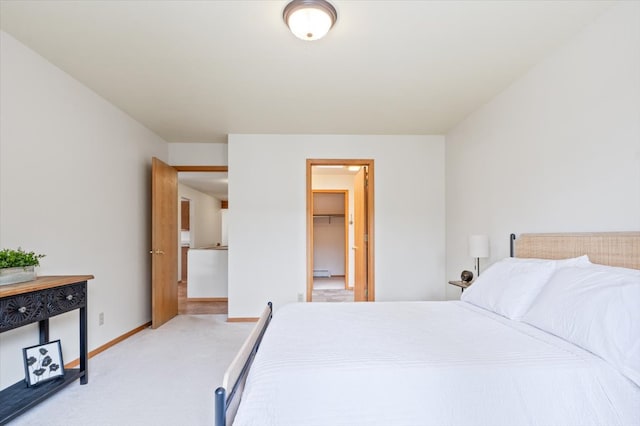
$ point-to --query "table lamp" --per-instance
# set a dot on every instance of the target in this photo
(478, 247)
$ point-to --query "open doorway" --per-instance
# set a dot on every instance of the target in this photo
(331, 236)
(351, 180)
(203, 264)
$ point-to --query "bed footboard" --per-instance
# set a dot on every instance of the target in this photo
(227, 396)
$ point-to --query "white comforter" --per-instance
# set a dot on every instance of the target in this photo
(425, 363)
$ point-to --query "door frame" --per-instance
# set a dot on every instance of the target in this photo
(174, 258)
(345, 210)
(201, 168)
(370, 219)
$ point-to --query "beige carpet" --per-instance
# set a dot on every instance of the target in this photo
(330, 290)
(332, 296)
(156, 377)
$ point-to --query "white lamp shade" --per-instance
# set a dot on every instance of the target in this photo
(479, 246)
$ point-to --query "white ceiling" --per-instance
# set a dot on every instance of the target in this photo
(332, 170)
(195, 71)
(212, 183)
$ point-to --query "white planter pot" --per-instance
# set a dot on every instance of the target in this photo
(17, 275)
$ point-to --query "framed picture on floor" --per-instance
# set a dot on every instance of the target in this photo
(43, 363)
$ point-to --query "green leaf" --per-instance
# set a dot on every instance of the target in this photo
(19, 258)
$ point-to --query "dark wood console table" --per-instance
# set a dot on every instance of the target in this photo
(37, 301)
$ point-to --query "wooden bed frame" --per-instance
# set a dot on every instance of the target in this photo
(608, 248)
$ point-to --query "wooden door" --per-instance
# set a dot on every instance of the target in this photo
(164, 243)
(360, 236)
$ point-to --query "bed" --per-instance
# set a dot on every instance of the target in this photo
(532, 342)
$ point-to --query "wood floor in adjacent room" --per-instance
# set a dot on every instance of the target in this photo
(191, 307)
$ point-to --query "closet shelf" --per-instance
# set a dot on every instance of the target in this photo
(328, 216)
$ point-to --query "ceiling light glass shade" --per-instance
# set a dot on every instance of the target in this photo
(310, 19)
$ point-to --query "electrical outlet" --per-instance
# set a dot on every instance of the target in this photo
(101, 318)
(300, 297)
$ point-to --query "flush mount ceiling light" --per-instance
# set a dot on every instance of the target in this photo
(310, 19)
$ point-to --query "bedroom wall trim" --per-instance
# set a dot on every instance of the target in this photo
(208, 299)
(201, 168)
(243, 319)
(109, 344)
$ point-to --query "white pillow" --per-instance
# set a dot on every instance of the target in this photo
(509, 286)
(597, 308)
(574, 261)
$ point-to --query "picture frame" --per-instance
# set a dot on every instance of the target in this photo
(43, 363)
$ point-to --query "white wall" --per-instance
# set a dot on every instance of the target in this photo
(557, 151)
(267, 215)
(198, 154)
(75, 185)
(328, 244)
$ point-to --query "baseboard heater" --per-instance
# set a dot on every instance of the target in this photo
(321, 273)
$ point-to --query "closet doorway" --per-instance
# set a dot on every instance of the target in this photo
(331, 220)
(340, 208)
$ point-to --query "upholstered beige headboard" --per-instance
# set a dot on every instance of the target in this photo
(606, 248)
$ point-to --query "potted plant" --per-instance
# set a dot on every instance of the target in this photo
(17, 266)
